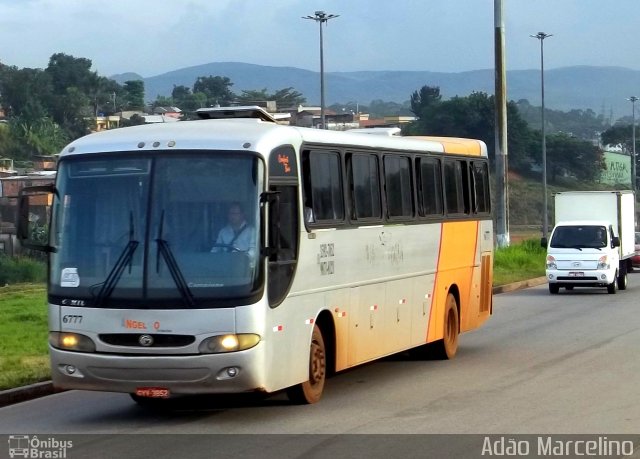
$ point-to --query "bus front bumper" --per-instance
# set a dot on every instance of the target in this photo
(180, 374)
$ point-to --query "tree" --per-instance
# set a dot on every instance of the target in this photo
(573, 157)
(620, 134)
(162, 101)
(584, 124)
(73, 89)
(472, 117)
(134, 94)
(67, 71)
(25, 92)
(287, 97)
(216, 89)
(47, 108)
(43, 137)
(426, 97)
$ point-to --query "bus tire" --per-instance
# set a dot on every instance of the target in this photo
(311, 390)
(446, 348)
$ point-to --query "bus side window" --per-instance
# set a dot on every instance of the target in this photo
(322, 178)
(430, 186)
(365, 186)
(398, 186)
(456, 187)
(481, 197)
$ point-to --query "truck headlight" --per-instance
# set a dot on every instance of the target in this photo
(71, 342)
(551, 262)
(228, 343)
(603, 262)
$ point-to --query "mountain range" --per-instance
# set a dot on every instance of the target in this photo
(602, 89)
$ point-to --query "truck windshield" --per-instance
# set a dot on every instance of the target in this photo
(579, 237)
(167, 231)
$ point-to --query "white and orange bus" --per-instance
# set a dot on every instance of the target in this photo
(358, 246)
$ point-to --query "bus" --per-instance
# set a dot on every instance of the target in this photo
(359, 246)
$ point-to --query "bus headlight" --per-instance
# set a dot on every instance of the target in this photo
(71, 342)
(603, 263)
(551, 262)
(228, 343)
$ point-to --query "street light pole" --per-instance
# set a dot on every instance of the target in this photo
(545, 216)
(633, 100)
(321, 17)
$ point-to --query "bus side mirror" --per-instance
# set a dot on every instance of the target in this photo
(33, 217)
(544, 242)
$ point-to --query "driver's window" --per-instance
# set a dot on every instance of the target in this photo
(283, 239)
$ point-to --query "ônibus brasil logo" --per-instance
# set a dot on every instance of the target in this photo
(30, 446)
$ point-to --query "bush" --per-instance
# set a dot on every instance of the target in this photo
(21, 269)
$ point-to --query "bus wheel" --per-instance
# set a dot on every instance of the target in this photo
(446, 348)
(310, 391)
(451, 328)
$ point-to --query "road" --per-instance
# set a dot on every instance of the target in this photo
(543, 364)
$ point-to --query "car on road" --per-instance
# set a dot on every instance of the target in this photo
(635, 260)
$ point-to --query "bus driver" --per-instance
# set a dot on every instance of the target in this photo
(237, 235)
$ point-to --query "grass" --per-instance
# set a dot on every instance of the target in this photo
(517, 262)
(23, 315)
(23, 335)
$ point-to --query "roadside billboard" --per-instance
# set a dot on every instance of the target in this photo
(617, 170)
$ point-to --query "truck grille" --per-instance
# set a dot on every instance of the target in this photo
(578, 279)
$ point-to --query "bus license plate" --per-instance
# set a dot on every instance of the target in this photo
(152, 392)
(576, 274)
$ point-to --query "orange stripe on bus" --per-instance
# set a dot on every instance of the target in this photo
(456, 258)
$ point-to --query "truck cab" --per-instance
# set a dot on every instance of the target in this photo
(585, 254)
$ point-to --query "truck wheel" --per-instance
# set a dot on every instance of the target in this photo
(554, 288)
(622, 280)
(612, 288)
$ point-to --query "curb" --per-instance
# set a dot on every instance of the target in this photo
(42, 389)
(519, 285)
(22, 394)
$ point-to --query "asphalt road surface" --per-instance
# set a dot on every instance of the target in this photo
(543, 364)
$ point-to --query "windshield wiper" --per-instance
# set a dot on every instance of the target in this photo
(174, 268)
(116, 272)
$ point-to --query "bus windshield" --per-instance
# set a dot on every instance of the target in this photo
(162, 231)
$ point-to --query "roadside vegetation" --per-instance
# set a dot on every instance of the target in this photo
(21, 269)
(23, 335)
(520, 261)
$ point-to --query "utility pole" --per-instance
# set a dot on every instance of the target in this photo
(633, 100)
(501, 148)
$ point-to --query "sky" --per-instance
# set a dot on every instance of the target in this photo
(151, 37)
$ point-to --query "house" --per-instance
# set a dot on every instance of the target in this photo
(168, 112)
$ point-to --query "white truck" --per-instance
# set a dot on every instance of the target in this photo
(593, 240)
